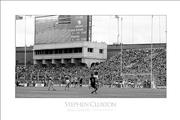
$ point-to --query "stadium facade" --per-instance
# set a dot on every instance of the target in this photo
(66, 39)
(70, 52)
(111, 51)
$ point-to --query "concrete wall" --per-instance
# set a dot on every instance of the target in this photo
(69, 45)
(58, 56)
(95, 54)
(87, 57)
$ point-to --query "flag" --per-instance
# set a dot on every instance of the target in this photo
(18, 17)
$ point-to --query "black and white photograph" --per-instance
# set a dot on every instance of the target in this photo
(90, 56)
(86, 60)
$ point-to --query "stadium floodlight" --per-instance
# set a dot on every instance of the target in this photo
(121, 29)
(117, 17)
(18, 17)
(132, 29)
(152, 27)
(159, 29)
(25, 41)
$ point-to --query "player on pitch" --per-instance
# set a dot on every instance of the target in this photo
(50, 84)
(68, 82)
(93, 84)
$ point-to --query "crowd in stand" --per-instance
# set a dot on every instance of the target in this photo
(136, 68)
(136, 63)
(42, 74)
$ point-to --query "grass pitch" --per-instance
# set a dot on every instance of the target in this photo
(84, 92)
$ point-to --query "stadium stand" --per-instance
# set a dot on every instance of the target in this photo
(136, 69)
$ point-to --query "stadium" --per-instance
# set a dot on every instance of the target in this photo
(64, 47)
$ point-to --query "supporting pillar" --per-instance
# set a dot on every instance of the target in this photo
(43, 61)
(62, 61)
(72, 60)
(84, 50)
(34, 62)
(83, 60)
(53, 61)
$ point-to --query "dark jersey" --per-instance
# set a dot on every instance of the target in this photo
(80, 81)
(93, 81)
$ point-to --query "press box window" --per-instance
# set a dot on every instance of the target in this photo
(100, 50)
(90, 49)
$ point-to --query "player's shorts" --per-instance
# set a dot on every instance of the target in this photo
(93, 85)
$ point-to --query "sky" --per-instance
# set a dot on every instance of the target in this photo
(132, 29)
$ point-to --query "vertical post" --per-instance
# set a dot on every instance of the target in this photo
(15, 48)
(121, 44)
(132, 29)
(116, 16)
(54, 32)
(121, 29)
(159, 29)
(151, 50)
(34, 29)
(15, 34)
(25, 47)
(87, 28)
(166, 29)
(118, 30)
(91, 28)
(34, 37)
(25, 41)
